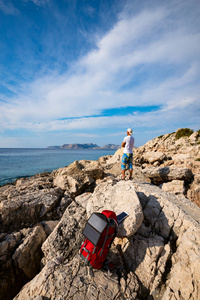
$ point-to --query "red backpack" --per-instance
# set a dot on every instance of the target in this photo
(99, 231)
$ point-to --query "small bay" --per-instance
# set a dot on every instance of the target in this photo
(24, 162)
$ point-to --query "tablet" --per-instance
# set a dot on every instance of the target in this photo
(122, 216)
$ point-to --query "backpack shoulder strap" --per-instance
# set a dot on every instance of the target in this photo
(105, 239)
(110, 224)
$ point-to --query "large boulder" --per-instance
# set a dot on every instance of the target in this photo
(28, 255)
(181, 157)
(194, 192)
(66, 238)
(160, 175)
(194, 137)
(28, 208)
(116, 158)
(174, 186)
(36, 182)
(118, 196)
(78, 176)
(152, 157)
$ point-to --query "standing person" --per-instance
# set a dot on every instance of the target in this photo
(127, 157)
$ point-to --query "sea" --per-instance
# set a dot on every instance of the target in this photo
(17, 162)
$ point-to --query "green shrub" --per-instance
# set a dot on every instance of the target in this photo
(199, 132)
(160, 137)
(183, 132)
(198, 159)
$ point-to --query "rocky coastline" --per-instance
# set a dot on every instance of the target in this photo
(157, 248)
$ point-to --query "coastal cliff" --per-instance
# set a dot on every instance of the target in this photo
(157, 248)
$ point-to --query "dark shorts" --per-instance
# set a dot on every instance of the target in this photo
(127, 159)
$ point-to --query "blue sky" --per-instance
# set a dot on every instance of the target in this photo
(75, 71)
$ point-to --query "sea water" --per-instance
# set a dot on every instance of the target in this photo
(16, 162)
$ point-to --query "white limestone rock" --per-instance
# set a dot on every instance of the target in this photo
(78, 176)
(181, 157)
(159, 175)
(117, 157)
(83, 199)
(28, 255)
(119, 197)
(77, 282)
(170, 234)
(194, 137)
(49, 226)
(152, 157)
(66, 238)
(174, 186)
(184, 278)
(28, 208)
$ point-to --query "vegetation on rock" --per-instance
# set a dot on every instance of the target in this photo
(160, 137)
(183, 132)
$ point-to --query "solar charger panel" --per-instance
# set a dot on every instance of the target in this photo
(94, 227)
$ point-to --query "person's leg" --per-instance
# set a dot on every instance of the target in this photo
(131, 166)
(123, 165)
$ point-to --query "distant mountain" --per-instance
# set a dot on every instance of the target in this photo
(85, 146)
(111, 146)
(79, 146)
(53, 147)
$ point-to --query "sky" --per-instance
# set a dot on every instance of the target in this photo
(77, 71)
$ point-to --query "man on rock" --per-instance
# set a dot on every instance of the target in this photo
(127, 158)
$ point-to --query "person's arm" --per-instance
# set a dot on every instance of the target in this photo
(123, 144)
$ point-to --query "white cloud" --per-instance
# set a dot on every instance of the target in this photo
(40, 2)
(132, 51)
(173, 113)
(8, 8)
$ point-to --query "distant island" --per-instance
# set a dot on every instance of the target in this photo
(85, 146)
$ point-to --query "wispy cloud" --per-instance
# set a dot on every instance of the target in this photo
(40, 2)
(8, 8)
(146, 58)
